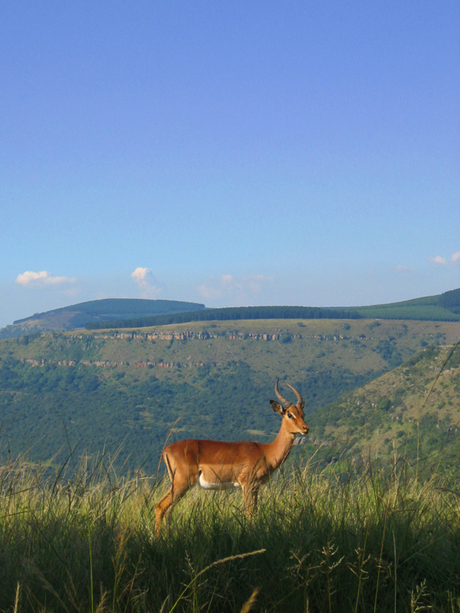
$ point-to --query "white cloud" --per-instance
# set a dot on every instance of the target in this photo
(234, 290)
(149, 286)
(41, 279)
(439, 260)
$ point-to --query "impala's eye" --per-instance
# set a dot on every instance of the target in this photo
(290, 415)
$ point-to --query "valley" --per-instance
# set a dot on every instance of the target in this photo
(125, 392)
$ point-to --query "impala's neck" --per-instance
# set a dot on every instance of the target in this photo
(278, 451)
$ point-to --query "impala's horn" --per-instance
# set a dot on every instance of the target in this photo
(300, 402)
(283, 400)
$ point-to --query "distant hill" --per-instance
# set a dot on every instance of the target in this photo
(78, 315)
(443, 307)
(131, 313)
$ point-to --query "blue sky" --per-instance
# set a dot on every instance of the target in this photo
(228, 152)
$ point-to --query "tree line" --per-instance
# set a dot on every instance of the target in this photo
(229, 314)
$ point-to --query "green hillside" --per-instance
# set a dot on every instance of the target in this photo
(136, 388)
(94, 311)
(414, 410)
(444, 307)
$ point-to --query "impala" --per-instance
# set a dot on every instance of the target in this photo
(219, 465)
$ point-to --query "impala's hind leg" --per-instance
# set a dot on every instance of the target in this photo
(179, 487)
(165, 505)
(162, 507)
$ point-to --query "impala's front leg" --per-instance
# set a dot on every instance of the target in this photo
(250, 494)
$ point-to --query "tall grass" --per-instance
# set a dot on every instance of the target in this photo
(332, 540)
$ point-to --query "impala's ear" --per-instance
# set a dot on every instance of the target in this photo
(277, 407)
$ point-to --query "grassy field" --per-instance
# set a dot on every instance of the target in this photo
(336, 539)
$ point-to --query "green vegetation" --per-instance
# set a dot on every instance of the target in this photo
(364, 516)
(229, 314)
(445, 307)
(129, 313)
(135, 389)
(77, 315)
(342, 539)
(451, 300)
(414, 409)
(111, 308)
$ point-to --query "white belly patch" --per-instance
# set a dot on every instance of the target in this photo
(216, 485)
